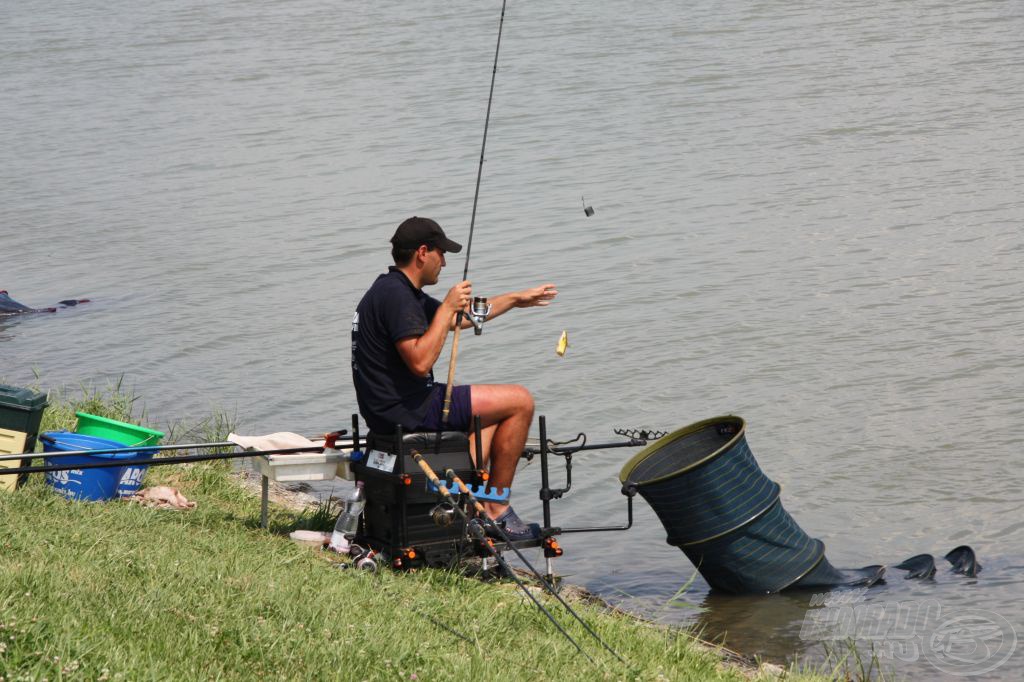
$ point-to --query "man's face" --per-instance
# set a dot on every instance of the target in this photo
(433, 261)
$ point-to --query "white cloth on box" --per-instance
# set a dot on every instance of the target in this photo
(281, 440)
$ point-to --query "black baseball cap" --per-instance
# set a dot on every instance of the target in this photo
(416, 231)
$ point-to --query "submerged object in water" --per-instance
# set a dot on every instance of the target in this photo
(722, 511)
(920, 567)
(964, 562)
(8, 306)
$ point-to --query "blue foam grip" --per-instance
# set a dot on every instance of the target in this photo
(478, 491)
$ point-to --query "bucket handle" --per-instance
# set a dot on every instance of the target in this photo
(50, 439)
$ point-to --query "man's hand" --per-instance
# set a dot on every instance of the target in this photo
(537, 296)
(459, 296)
(528, 298)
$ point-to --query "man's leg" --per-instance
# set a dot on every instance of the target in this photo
(509, 408)
(482, 460)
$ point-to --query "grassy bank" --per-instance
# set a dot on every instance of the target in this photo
(102, 591)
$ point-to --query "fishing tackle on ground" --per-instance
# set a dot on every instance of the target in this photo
(368, 561)
(184, 459)
(477, 533)
(443, 514)
(549, 543)
(404, 521)
(740, 536)
(332, 441)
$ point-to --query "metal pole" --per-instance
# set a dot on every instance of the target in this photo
(545, 490)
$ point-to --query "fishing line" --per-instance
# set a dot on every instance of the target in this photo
(442, 625)
(464, 489)
(477, 531)
(483, 145)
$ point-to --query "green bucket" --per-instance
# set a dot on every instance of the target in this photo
(126, 434)
(111, 429)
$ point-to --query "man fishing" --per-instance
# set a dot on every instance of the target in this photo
(398, 332)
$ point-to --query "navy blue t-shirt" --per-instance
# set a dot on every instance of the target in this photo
(387, 391)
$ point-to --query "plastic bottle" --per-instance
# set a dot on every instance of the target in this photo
(348, 519)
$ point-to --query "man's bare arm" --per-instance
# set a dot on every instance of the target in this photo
(527, 298)
(421, 352)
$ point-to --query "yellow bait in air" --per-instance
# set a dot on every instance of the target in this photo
(563, 343)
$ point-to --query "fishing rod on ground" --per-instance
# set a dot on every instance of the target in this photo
(331, 442)
(477, 532)
(464, 489)
(184, 459)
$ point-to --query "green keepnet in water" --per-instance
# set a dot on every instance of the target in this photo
(725, 514)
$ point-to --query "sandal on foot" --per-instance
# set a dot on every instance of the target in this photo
(515, 528)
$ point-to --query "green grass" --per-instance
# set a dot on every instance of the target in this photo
(113, 401)
(112, 591)
(119, 591)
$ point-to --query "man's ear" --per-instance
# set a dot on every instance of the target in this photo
(422, 251)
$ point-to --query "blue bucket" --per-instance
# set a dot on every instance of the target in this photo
(87, 484)
(131, 478)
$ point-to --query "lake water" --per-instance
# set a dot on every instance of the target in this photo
(808, 215)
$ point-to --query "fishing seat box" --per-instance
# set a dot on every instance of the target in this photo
(399, 498)
(21, 411)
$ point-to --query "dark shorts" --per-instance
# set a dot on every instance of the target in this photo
(460, 413)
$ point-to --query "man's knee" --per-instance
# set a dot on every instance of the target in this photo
(527, 400)
(519, 398)
(502, 401)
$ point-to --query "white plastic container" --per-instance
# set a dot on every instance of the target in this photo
(345, 467)
(302, 466)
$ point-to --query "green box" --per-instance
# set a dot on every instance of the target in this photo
(21, 409)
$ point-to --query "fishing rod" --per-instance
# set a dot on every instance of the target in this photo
(148, 449)
(454, 478)
(184, 459)
(472, 224)
(477, 532)
(112, 451)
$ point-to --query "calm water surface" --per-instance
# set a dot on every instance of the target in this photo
(809, 216)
